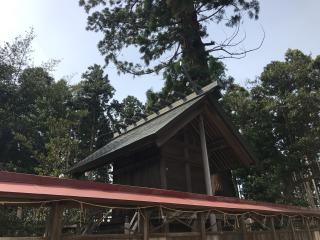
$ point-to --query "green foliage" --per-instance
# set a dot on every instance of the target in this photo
(13, 58)
(46, 125)
(16, 56)
(92, 95)
(131, 110)
(177, 82)
(168, 29)
(22, 222)
(280, 115)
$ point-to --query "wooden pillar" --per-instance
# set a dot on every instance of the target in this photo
(310, 237)
(274, 234)
(206, 167)
(140, 224)
(292, 230)
(54, 222)
(202, 225)
(163, 180)
(146, 226)
(187, 162)
(243, 227)
(205, 158)
(127, 226)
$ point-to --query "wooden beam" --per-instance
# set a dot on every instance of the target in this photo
(196, 161)
(22, 238)
(232, 139)
(54, 223)
(183, 144)
(146, 226)
(187, 161)
(206, 168)
(176, 126)
(310, 237)
(292, 230)
(243, 227)
(274, 233)
(202, 225)
(205, 158)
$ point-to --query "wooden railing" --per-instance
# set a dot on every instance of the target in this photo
(168, 224)
(259, 235)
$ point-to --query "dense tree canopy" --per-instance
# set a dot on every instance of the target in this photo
(131, 110)
(280, 115)
(47, 125)
(92, 95)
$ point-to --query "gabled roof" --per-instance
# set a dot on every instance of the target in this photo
(144, 128)
(144, 132)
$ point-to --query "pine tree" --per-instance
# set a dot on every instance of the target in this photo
(166, 32)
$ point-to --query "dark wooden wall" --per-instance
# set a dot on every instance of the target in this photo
(140, 169)
(182, 158)
(183, 163)
(177, 165)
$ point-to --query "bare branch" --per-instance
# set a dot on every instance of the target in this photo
(211, 15)
(233, 36)
(237, 55)
(209, 43)
(174, 57)
(228, 41)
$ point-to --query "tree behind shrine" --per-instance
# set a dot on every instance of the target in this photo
(280, 116)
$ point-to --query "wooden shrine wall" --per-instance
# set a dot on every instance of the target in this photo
(176, 165)
(140, 169)
(184, 167)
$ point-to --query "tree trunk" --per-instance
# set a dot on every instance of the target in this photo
(194, 54)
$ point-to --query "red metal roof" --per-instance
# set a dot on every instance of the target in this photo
(19, 187)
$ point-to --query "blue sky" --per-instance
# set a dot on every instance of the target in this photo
(60, 29)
